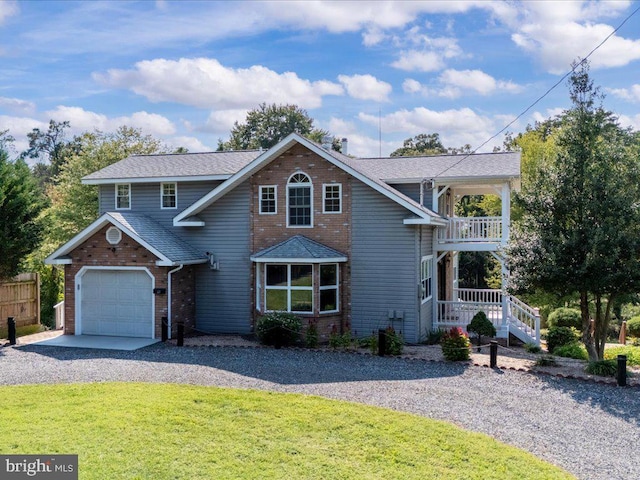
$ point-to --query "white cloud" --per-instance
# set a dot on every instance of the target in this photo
(570, 30)
(18, 106)
(411, 86)
(632, 121)
(456, 127)
(8, 8)
(631, 94)
(19, 127)
(366, 87)
(549, 113)
(205, 83)
(455, 83)
(192, 144)
(83, 120)
(360, 145)
(223, 120)
(414, 60)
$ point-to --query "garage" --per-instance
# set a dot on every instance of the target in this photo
(116, 302)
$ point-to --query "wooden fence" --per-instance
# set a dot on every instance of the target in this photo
(20, 299)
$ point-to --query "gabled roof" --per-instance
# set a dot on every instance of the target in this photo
(173, 167)
(424, 215)
(442, 168)
(165, 245)
(299, 249)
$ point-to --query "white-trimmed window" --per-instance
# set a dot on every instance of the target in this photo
(169, 195)
(123, 196)
(289, 288)
(329, 297)
(268, 199)
(299, 201)
(426, 274)
(332, 198)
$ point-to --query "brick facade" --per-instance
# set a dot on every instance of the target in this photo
(96, 251)
(330, 229)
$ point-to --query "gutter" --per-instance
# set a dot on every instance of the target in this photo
(169, 298)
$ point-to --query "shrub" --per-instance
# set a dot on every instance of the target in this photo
(603, 368)
(394, 342)
(546, 361)
(632, 353)
(370, 342)
(532, 348)
(433, 337)
(633, 327)
(311, 338)
(635, 342)
(559, 336)
(572, 350)
(340, 340)
(279, 328)
(455, 345)
(481, 325)
(565, 317)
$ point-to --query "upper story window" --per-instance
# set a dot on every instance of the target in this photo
(123, 196)
(426, 273)
(332, 198)
(299, 201)
(268, 200)
(169, 195)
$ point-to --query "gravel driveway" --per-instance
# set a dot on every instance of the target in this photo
(589, 429)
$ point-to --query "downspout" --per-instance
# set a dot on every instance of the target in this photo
(169, 298)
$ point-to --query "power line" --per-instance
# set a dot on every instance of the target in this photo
(544, 94)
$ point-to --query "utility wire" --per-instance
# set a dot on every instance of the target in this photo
(543, 95)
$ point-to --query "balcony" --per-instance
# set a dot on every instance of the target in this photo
(472, 233)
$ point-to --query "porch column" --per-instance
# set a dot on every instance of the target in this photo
(506, 212)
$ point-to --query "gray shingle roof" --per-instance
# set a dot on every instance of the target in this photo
(484, 165)
(299, 247)
(154, 234)
(175, 165)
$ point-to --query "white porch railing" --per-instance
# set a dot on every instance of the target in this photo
(508, 314)
(471, 229)
(59, 311)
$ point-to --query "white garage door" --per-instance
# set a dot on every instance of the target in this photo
(116, 302)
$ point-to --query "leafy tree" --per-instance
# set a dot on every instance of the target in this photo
(74, 205)
(266, 125)
(51, 149)
(427, 144)
(20, 204)
(580, 230)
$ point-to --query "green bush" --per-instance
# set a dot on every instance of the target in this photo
(603, 368)
(455, 345)
(633, 327)
(340, 340)
(559, 336)
(433, 337)
(632, 353)
(532, 347)
(394, 342)
(565, 317)
(311, 338)
(279, 329)
(546, 361)
(370, 342)
(481, 325)
(572, 350)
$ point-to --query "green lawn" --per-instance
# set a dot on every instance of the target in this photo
(136, 430)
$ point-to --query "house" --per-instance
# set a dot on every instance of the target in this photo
(214, 240)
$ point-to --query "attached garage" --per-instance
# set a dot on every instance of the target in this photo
(115, 302)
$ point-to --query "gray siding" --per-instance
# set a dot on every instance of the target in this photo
(412, 190)
(384, 269)
(223, 297)
(145, 199)
(426, 309)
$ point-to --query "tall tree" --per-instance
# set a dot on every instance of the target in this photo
(20, 204)
(266, 125)
(427, 144)
(51, 149)
(74, 205)
(580, 230)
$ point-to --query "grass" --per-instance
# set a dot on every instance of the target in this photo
(137, 430)
(22, 331)
(632, 353)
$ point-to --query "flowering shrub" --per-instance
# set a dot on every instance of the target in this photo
(279, 329)
(455, 345)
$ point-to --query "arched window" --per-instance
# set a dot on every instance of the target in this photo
(299, 201)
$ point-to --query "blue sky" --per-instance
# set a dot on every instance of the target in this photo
(185, 71)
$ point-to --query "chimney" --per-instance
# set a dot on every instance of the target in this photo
(345, 145)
